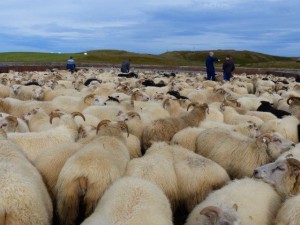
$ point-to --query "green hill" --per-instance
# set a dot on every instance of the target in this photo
(174, 58)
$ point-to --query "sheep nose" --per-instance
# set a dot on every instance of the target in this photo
(255, 172)
(293, 145)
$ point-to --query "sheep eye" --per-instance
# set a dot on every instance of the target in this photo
(277, 140)
(280, 168)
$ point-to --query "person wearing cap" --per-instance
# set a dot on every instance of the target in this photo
(71, 64)
(125, 67)
(228, 68)
(210, 69)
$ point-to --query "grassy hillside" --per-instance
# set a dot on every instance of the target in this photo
(175, 58)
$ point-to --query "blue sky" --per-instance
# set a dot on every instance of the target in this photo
(152, 26)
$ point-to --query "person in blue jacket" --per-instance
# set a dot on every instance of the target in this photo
(125, 67)
(71, 64)
(210, 69)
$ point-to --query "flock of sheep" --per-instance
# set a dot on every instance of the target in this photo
(99, 148)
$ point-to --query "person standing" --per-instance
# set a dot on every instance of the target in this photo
(71, 64)
(228, 68)
(125, 67)
(210, 69)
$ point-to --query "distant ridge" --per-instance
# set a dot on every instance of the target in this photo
(172, 58)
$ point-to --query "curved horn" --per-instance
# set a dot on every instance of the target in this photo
(101, 123)
(122, 124)
(191, 104)
(293, 162)
(78, 114)
(293, 98)
(55, 114)
(134, 114)
(88, 96)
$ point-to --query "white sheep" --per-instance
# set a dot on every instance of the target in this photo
(241, 202)
(34, 143)
(132, 201)
(187, 137)
(287, 127)
(24, 197)
(13, 124)
(187, 177)
(238, 154)
(100, 162)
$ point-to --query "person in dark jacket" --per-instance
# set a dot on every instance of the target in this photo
(71, 64)
(228, 68)
(210, 69)
(125, 67)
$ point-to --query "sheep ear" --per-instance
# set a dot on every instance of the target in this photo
(295, 164)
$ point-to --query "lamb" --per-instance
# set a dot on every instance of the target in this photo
(34, 143)
(164, 129)
(231, 116)
(24, 197)
(37, 120)
(74, 104)
(237, 154)
(21, 92)
(100, 162)
(13, 124)
(18, 108)
(132, 201)
(267, 107)
(241, 202)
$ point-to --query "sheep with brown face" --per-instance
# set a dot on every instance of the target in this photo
(237, 154)
(164, 129)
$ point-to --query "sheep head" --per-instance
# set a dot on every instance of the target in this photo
(283, 174)
(274, 144)
(9, 124)
(111, 128)
(214, 215)
(203, 106)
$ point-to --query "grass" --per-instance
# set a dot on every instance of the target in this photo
(174, 58)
